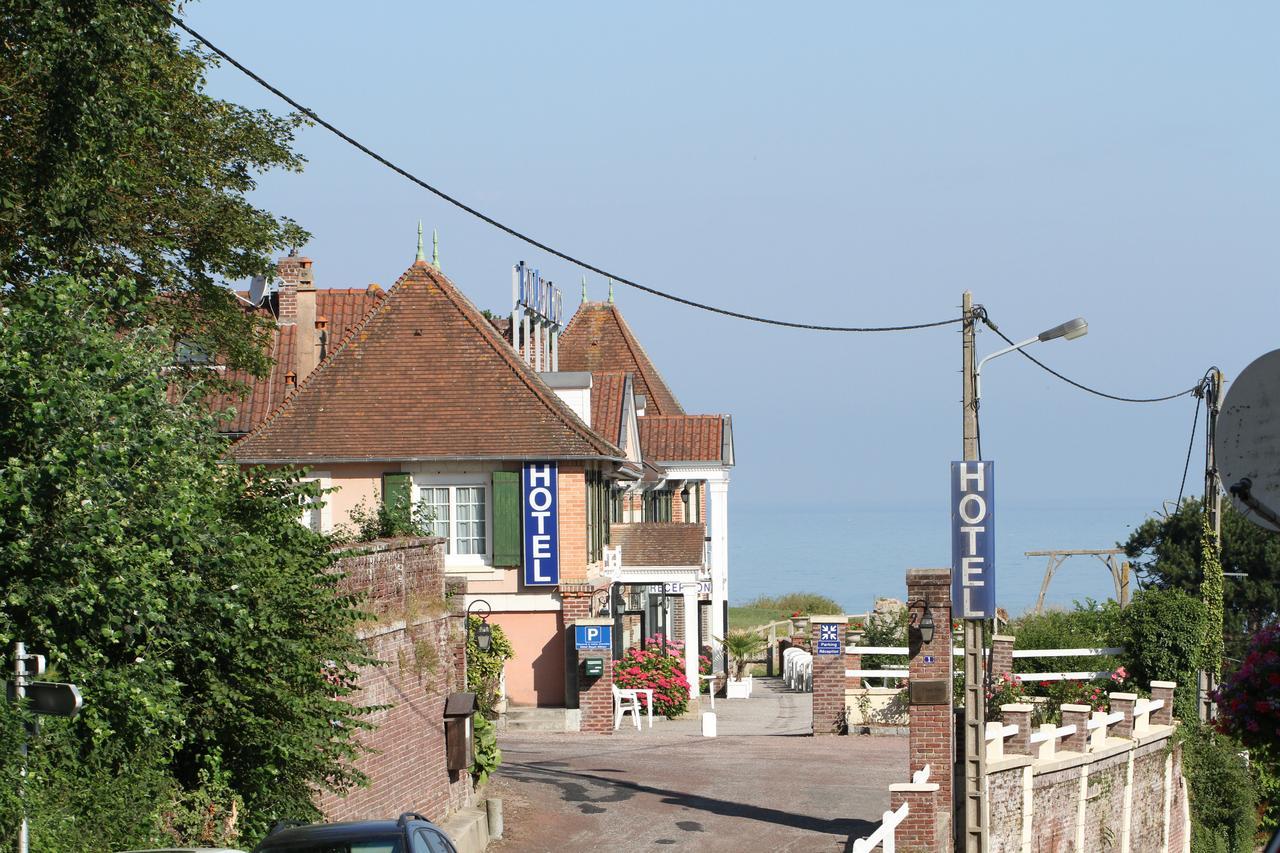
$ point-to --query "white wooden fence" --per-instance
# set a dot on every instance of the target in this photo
(897, 672)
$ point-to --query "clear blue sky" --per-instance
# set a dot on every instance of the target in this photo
(837, 163)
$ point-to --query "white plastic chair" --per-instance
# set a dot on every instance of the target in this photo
(624, 701)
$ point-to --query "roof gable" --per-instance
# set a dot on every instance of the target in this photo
(597, 339)
(423, 376)
(686, 438)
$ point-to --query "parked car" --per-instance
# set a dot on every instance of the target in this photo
(184, 850)
(410, 833)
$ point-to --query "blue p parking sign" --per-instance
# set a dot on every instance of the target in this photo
(590, 637)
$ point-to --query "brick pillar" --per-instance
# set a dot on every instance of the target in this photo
(595, 695)
(1078, 716)
(1163, 690)
(828, 672)
(918, 832)
(575, 604)
(932, 734)
(1019, 715)
(1001, 655)
(1122, 702)
(455, 591)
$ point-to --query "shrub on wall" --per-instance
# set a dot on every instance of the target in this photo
(1222, 795)
(484, 669)
(1162, 631)
(1088, 624)
(658, 667)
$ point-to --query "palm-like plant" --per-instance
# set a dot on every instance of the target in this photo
(741, 647)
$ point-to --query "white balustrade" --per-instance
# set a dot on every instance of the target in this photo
(1142, 714)
(1097, 727)
(996, 734)
(1046, 740)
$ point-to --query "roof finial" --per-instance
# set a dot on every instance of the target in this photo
(584, 288)
(421, 256)
(435, 248)
(611, 291)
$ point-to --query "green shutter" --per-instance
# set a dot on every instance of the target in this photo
(506, 518)
(395, 492)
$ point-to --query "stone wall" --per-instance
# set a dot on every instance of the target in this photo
(418, 633)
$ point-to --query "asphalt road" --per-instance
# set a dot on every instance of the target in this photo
(763, 784)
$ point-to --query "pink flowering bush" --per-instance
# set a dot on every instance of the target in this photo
(1249, 699)
(658, 667)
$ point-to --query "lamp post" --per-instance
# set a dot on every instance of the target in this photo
(483, 634)
(975, 830)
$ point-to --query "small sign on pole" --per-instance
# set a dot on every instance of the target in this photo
(592, 637)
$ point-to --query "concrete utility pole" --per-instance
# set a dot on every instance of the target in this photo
(975, 709)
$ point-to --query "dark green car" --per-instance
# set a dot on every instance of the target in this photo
(410, 833)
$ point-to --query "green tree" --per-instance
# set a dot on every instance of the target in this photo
(117, 165)
(1163, 632)
(1167, 552)
(199, 617)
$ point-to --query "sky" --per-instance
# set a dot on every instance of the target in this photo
(832, 163)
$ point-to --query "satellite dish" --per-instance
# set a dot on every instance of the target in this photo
(257, 290)
(1247, 443)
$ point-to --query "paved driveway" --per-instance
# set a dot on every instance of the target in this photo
(763, 784)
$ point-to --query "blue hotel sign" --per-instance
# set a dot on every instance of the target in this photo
(540, 499)
(592, 637)
(973, 539)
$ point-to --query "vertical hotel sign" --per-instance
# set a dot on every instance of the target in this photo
(541, 511)
(973, 539)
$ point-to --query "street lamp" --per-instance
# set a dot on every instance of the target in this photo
(483, 634)
(1070, 330)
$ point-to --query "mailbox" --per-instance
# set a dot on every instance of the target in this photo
(593, 667)
(458, 730)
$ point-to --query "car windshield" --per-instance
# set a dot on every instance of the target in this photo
(377, 844)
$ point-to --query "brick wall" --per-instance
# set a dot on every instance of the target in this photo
(931, 739)
(828, 677)
(419, 635)
(1004, 809)
(1055, 797)
(918, 831)
(572, 484)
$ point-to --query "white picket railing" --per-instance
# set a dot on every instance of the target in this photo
(885, 835)
(1079, 675)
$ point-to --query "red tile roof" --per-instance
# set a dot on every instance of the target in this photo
(682, 438)
(423, 376)
(598, 339)
(607, 390)
(659, 544)
(342, 307)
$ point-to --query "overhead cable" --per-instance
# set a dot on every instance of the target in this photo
(982, 315)
(519, 235)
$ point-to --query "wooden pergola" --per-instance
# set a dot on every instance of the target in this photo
(1110, 557)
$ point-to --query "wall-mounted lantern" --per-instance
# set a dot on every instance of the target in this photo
(483, 634)
(924, 627)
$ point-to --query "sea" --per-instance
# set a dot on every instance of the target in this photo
(856, 555)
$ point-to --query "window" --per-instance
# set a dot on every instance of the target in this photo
(598, 514)
(460, 515)
(315, 510)
(657, 505)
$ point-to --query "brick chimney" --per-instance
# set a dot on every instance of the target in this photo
(296, 304)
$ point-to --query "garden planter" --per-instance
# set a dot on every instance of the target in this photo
(738, 688)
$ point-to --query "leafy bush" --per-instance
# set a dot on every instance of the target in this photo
(1162, 632)
(1086, 625)
(485, 744)
(484, 669)
(885, 629)
(385, 521)
(803, 603)
(1222, 794)
(658, 667)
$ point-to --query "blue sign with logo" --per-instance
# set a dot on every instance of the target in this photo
(973, 539)
(541, 510)
(829, 638)
(592, 637)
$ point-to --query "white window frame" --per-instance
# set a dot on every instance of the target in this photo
(326, 511)
(452, 482)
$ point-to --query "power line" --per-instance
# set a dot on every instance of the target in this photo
(982, 314)
(311, 114)
(1186, 466)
